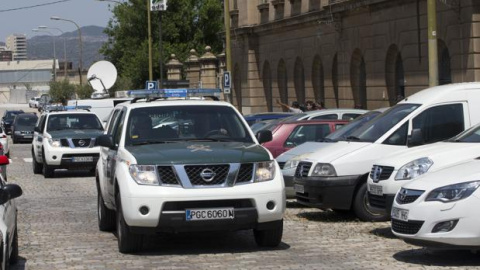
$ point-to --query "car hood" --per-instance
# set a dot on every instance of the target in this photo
(440, 153)
(305, 148)
(24, 128)
(75, 133)
(334, 151)
(198, 153)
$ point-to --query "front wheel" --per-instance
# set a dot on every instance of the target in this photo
(127, 241)
(106, 217)
(48, 171)
(37, 167)
(362, 207)
(14, 254)
(270, 237)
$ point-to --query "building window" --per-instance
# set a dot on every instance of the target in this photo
(358, 79)
(296, 7)
(282, 81)
(264, 9)
(318, 79)
(279, 6)
(444, 69)
(394, 75)
(335, 79)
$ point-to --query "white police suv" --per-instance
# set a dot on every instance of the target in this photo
(186, 166)
(65, 140)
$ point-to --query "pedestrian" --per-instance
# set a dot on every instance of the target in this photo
(295, 108)
(310, 105)
(320, 105)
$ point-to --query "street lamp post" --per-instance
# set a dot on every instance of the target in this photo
(64, 48)
(54, 51)
(80, 66)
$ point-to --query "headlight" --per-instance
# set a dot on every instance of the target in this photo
(54, 143)
(291, 164)
(324, 169)
(414, 169)
(453, 193)
(265, 171)
(144, 174)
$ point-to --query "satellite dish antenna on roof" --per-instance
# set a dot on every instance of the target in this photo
(101, 76)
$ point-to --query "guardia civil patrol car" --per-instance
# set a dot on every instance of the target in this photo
(186, 166)
(65, 139)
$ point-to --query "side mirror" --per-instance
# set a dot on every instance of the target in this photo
(37, 129)
(264, 136)
(14, 190)
(105, 141)
(4, 160)
(416, 138)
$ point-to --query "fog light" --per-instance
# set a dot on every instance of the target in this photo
(144, 210)
(270, 205)
(54, 157)
(445, 226)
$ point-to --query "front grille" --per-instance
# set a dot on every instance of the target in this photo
(167, 176)
(182, 205)
(195, 172)
(302, 169)
(379, 173)
(81, 142)
(64, 143)
(406, 227)
(408, 195)
(377, 201)
(245, 173)
(281, 164)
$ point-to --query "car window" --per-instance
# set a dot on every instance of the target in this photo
(73, 121)
(326, 116)
(440, 122)
(213, 123)
(25, 121)
(112, 122)
(307, 133)
(11, 115)
(399, 137)
(350, 116)
(117, 130)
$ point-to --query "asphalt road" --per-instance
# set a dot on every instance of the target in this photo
(57, 227)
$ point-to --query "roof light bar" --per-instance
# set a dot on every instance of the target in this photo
(175, 93)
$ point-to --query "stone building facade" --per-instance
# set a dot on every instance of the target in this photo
(348, 53)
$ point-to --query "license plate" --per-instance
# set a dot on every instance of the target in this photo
(209, 214)
(82, 159)
(299, 188)
(400, 214)
(28, 136)
(376, 190)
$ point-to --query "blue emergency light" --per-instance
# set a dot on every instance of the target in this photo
(175, 93)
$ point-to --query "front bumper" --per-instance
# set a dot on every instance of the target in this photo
(423, 216)
(23, 137)
(64, 157)
(381, 204)
(327, 192)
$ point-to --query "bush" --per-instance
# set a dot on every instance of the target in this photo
(84, 91)
(61, 91)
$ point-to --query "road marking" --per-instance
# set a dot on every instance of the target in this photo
(28, 160)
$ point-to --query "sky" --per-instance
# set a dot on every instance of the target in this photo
(21, 16)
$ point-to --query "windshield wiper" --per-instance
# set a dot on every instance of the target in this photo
(208, 140)
(353, 138)
(151, 142)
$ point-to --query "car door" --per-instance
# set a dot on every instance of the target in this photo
(38, 137)
(111, 154)
(8, 211)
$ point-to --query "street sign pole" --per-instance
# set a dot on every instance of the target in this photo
(160, 5)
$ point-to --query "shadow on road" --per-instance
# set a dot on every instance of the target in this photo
(385, 232)
(328, 216)
(425, 256)
(20, 265)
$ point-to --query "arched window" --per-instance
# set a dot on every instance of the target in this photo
(282, 81)
(267, 85)
(299, 80)
(444, 69)
(318, 80)
(335, 79)
(237, 86)
(394, 75)
(358, 79)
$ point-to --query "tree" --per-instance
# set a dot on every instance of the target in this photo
(61, 92)
(186, 25)
(83, 91)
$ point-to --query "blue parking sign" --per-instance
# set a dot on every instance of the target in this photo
(150, 85)
(227, 82)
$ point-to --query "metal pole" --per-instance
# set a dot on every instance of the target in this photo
(432, 43)
(150, 73)
(54, 60)
(161, 50)
(65, 58)
(228, 50)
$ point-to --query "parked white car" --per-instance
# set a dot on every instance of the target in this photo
(4, 142)
(390, 173)
(8, 222)
(33, 102)
(439, 208)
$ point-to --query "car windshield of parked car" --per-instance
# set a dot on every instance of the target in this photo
(162, 124)
(382, 124)
(73, 121)
(11, 115)
(347, 130)
(26, 121)
(471, 135)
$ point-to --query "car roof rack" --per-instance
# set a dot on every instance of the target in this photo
(155, 94)
(62, 108)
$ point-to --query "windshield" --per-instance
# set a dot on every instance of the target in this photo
(382, 124)
(347, 130)
(11, 115)
(26, 121)
(73, 121)
(470, 135)
(163, 124)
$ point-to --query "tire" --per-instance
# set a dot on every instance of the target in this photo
(270, 237)
(127, 241)
(362, 209)
(14, 255)
(14, 141)
(48, 171)
(106, 217)
(37, 167)
(6, 260)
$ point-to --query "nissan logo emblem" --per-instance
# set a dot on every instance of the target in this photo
(377, 171)
(81, 143)
(207, 175)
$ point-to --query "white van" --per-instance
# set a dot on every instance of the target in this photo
(101, 107)
(390, 173)
(335, 176)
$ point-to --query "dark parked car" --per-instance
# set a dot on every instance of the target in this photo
(8, 118)
(22, 127)
(257, 117)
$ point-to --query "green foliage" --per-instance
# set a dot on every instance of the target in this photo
(83, 91)
(186, 25)
(61, 91)
(121, 84)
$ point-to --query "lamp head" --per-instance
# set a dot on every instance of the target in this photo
(55, 18)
